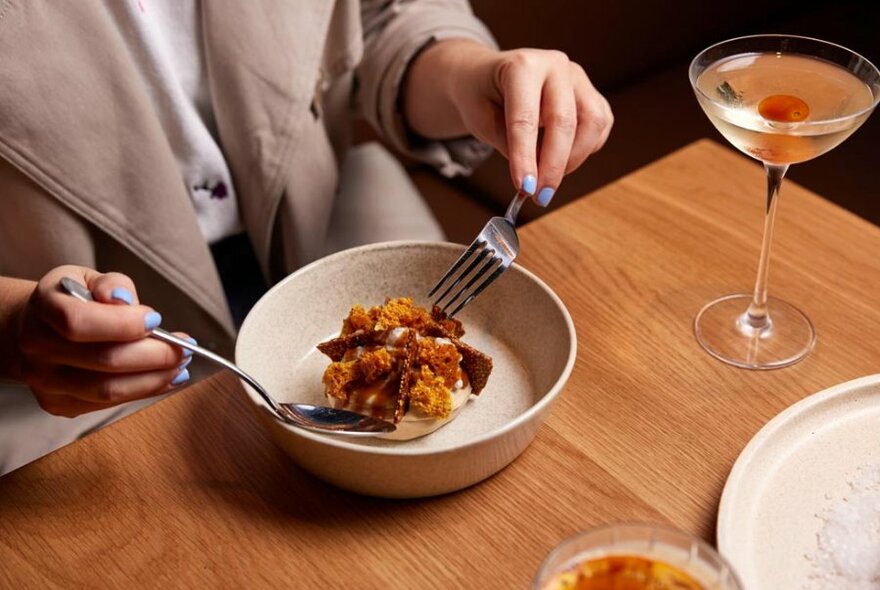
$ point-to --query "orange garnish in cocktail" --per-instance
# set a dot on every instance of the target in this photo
(783, 108)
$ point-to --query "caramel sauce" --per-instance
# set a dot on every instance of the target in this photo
(378, 395)
(623, 572)
(379, 398)
(783, 108)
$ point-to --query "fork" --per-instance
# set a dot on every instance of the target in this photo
(495, 247)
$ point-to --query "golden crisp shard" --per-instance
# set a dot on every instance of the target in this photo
(476, 364)
(406, 376)
(337, 347)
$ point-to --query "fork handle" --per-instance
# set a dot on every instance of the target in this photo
(513, 209)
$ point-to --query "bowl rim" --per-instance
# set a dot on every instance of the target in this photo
(341, 443)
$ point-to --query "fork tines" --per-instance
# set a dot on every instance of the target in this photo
(477, 253)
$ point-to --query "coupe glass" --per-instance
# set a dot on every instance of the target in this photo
(781, 99)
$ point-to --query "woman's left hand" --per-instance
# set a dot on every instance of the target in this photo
(505, 98)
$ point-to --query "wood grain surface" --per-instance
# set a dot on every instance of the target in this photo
(191, 493)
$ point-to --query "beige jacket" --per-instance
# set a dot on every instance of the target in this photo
(87, 176)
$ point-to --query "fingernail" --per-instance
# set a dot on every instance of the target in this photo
(529, 184)
(182, 377)
(185, 363)
(120, 294)
(545, 195)
(187, 352)
(152, 320)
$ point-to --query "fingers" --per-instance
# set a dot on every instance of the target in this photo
(560, 122)
(145, 354)
(80, 321)
(544, 89)
(113, 287)
(68, 407)
(68, 391)
(84, 356)
(522, 102)
(594, 119)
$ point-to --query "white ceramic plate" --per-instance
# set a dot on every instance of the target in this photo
(518, 321)
(797, 468)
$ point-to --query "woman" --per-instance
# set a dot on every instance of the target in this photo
(141, 135)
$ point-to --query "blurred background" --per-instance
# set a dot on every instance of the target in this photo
(637, 55)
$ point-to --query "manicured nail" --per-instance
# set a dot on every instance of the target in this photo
(182, 377)
(120, 294)
(187, 352)
(529, 184)
(152, 320)
(185, 363)
(544, 196)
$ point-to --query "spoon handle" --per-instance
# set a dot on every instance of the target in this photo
(83, 294)
(170, 338)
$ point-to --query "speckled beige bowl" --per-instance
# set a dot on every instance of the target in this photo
(519, 321)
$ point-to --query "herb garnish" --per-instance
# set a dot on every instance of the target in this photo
(729, 95)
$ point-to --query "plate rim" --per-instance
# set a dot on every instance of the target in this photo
(340, 443)
(726, 519)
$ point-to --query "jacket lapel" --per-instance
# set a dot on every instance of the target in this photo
(79, 122)
(84, 129)
(264, 59)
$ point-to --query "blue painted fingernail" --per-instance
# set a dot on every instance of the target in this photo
(545, 195)
(187, 352)
(152, 320)
(182, 377)
(185, 363)
(529, 184)
(120, 294)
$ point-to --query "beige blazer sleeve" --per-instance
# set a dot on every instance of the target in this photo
(394, 32)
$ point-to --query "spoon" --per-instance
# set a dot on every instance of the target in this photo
(317, 418)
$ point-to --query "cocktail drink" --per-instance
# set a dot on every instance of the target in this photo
(635, 557)
(782, 100)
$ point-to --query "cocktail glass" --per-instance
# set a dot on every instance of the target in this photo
(635, 556)
(781, 99)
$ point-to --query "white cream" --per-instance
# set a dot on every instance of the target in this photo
(413, 425)
(395, 337)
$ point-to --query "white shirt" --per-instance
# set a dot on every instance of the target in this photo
(165, 41)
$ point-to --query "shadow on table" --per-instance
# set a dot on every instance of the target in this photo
(230, 457)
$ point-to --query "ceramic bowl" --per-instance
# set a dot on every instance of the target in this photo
(518, 321)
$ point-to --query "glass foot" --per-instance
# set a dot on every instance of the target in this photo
(722, 329)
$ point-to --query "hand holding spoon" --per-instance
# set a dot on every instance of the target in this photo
(317, 418)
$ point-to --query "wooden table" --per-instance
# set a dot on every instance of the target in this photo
(191, 492)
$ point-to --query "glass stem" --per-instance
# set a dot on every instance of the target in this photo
(756, 316)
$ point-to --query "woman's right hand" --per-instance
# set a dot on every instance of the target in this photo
(79, 356)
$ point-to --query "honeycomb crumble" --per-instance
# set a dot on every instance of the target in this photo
(375, 364)
(400, 356)
(429, 395)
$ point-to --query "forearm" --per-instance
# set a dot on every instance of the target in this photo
(430, 89)
(14, 294)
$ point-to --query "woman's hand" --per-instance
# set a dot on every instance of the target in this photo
(79, 356)
(504, 99)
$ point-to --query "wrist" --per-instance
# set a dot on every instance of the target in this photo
(471, 68)
(441, 83)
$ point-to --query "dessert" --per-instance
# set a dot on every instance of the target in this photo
(404, 364)
(623, 572)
